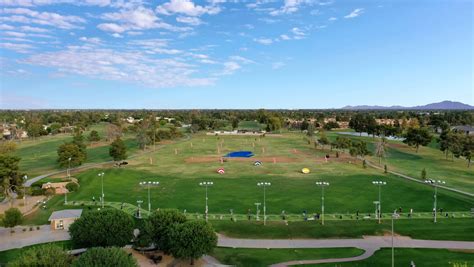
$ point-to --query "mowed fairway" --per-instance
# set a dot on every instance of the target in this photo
(404, 159)
(40, 156)
(179, 174)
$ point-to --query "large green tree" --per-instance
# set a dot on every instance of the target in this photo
(163, 223)
(44, 256)
(12, 217)
(108, 227)
(93, 136)
(359, 148)
(118, 150)
(10, 174)
(468, 149)
(111, 256)
(417, 137)
(193, 239)
(71, 151)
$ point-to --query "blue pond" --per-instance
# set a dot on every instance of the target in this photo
(239, 154)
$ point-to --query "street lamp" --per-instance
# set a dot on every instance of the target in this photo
(379, 184)
(258, 210)
(322, 185)
(139, 214)
(149, 184)
(69, 167)
(102, 183)
(206, 185)
(264, 185)
(435, 184)
(394, 216)
(24, 189)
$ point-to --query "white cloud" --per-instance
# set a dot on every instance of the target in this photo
(20, 48)
(264, 41)
(91, 40)
(33, 29)
(5, 27)
(332, 19)
(355, 13)
(31, 3)
(285, 37)
(291, 6)
(195, 21)
(111, 27)
(229, 68)
(28, 16)
(186, 7)
(241, 59)
(125, 66)
(140, 18)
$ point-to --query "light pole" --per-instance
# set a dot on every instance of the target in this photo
(149, 184)
(102, 183)
(394, 216)
(24, 189)
(264, 185)
(379, 184)
(322, 185)
(139, 214)
(435, 184)
(68, 168)
(206, 185)
(258, 210)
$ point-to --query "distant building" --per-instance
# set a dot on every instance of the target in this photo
(62, 219)
(467, 129)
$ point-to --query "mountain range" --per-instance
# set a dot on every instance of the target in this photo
(444, 105)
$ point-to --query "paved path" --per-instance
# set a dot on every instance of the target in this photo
(21, 239)
(369, 244)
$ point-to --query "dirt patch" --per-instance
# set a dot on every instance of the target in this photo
(268, 159)
(144, 261)
(395, 145)
(98, 144)
(343, 157)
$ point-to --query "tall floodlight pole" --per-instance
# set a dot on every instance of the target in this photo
(379, 184)
(394, 216)
(24, 189)
(435, 184)
(264, 185)
(322, 185)
(69, 168)
(149, 184)
(206, 185)
(102, 185)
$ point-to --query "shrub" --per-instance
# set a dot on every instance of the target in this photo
(72, 186)
(111, 256)
(44, 255)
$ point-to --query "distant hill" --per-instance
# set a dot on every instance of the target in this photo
(446, 105)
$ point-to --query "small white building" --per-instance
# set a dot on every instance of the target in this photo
(62, 219)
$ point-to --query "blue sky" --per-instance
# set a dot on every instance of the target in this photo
(234, 53)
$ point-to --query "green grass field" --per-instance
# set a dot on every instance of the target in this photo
(404, 159)
(447, 229)
(264, 257)
(40, 156)
(420, 257)
(180, 165)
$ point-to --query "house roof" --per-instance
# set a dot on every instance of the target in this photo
(464, 128)
(63, 214)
